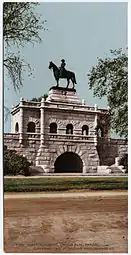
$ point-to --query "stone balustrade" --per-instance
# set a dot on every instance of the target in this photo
(59, 105)
(52, 136)
(11, 136)
(25, 136)
(70, 137)
(32, 135)
(31, 103)
(111, 140)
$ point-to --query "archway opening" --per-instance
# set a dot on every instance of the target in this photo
(69, 129)
(53, 128)
(16, 127)
(68, 162)
(85, 130)
(100, 131)
(31, 127)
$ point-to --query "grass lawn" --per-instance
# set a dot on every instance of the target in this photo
(63, 184)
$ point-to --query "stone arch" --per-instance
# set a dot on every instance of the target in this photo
(16, 127)
(31, 127)
(53, 127)
(69, 129)
(69, 148)
(100, 131)
(53, 120)
(36, 121)
(85, 130)
(68, 162)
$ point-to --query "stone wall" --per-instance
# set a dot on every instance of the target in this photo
(62, 118)
(109, 149)
(15, 119)
(63, 107)
(31, 115)
(86, 151)
(104, 154)
(28, 148)
(48, 154)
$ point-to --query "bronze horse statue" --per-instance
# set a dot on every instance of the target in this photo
(62, 75)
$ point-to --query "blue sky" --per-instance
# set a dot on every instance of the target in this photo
(77, 32)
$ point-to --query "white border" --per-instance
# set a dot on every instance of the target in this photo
(129, 126)
(1, 134)
(1, 115)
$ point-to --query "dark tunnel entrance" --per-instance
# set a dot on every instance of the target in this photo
(68, 162)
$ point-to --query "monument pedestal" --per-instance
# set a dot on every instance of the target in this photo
(63, 95)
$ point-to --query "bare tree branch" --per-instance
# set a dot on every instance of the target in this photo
(21, 25)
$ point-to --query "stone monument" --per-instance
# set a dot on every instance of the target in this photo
(62, 134)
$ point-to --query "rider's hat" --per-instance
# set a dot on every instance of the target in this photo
(62, 60)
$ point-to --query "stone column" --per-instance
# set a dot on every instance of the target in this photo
(43, 155)
(42, 122)
(21, 121)
(95, 125)
(12, 121)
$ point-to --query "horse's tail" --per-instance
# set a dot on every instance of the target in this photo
(74, 79)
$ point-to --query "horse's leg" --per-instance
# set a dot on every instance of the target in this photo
(67, 82)
(57, 83)
(56, 78)
(72, 83)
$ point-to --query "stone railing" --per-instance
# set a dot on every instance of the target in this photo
(69, 106)
(25, 136)
(102, 110)
(112, 140)
(27, 103)
(69, 137)
(11, 135)
(32, 135)
(59, 105)
(118, 141)
(31, 103)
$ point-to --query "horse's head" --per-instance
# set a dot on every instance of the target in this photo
(50, 64)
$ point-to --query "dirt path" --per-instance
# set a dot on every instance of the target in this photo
(65, 194)
(84, 222)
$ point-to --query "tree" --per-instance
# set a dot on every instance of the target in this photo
(39, 98)
(15, 164)
(110, 78)
(21, 25)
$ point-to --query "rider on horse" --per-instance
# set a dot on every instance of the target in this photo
(62, 67)
(62, 73)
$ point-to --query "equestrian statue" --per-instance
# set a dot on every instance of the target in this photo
(62, 73)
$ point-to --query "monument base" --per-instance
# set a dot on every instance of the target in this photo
(63, 95)
(62, 88)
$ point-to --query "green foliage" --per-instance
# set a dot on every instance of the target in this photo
(15, 164)
(39, 98)
(21, 25)
(110, 78)
(61, 184)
